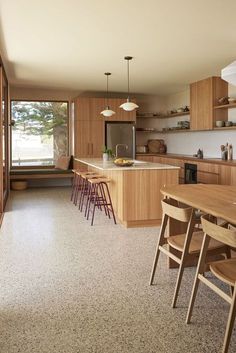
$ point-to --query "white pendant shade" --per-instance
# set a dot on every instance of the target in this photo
(229, 73)
(128, 106)
(107, 112)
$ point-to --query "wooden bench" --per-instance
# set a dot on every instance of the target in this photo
(29, 174)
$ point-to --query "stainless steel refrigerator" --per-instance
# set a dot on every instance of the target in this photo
(121, 133)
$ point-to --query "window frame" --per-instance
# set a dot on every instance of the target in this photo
(52, 166)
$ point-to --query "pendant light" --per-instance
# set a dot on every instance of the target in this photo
(128, 106)
(107, 112)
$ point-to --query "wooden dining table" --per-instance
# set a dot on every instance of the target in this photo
(216, 200)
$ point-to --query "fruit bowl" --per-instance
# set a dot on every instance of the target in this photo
(123, 162)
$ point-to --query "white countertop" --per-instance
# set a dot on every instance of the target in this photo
(109, 165)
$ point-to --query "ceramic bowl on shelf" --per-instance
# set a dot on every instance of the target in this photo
(223, 100)
(228, 123)
(220, 123)
(180, 110)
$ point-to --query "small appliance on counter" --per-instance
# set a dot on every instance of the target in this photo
(157, 146)
(141, 149)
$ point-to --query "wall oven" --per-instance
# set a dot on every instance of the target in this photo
(190, 173)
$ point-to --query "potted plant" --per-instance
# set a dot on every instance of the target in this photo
(106, 153)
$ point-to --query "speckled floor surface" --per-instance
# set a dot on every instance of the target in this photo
(67, 287)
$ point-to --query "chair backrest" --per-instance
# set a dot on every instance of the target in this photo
(226, 236)
(180, 213)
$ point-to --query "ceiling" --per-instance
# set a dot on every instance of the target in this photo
(70, 44)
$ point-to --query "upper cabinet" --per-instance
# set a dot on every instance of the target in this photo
(204, 96)
(91, 108)
(87, 109)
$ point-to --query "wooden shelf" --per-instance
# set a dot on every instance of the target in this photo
(164, 132)
(163, 116)
(149, 131)
(149, 116)
(225, 106)
(174, 115)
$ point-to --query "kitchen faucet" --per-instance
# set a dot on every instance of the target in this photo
(117, 147)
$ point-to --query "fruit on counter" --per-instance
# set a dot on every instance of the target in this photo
(122, 161)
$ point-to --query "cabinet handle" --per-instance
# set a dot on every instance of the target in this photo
(92, 149)
(88, 149)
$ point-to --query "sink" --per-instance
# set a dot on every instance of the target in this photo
(139, 162)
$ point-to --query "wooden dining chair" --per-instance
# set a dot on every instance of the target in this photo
(225, 270)
(188, 244)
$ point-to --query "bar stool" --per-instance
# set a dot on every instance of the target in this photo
(99, 196)
(84, 186)
(77, 184)
(73, 185)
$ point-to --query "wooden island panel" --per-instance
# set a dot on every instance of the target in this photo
(136, 194)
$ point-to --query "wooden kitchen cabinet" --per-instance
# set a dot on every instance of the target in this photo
(90, 109)
(145, 158)
(89, 138)
(96, 134)
(228, 175)
(204, 96)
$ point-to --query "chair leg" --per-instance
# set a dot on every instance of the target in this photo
(183, 259)
(230, 323)
(159, 243)
(200, 270)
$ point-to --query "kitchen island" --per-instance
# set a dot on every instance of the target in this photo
(135, 190)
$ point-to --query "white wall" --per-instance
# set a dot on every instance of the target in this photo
(181, 142)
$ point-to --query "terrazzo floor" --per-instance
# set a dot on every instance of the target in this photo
(67, 287)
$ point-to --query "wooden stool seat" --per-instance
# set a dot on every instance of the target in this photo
(177, 242)
(98, 180)
(89, 175)
(225, 270)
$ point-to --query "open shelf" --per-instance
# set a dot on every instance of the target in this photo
(163, 116)
(164, 132)
(174, 115)
(225, 106)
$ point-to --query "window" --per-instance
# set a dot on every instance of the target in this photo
(40, 132)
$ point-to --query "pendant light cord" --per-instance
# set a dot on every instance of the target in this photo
(128, 76)
(107, 90)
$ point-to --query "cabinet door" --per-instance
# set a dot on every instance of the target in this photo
(201, 104)
(227, 175)
(96, 105)
(96, 138)
(145, 158)
(82, 108)
(82, 138)
(121, 114)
